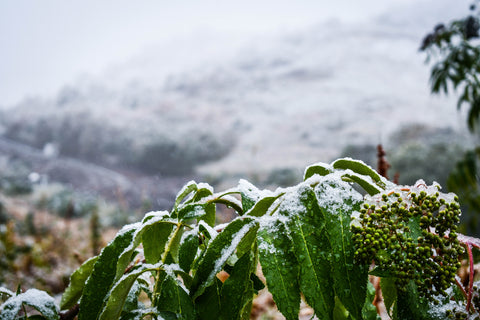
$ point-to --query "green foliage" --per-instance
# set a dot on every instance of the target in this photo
(457, 62)
(166, 266)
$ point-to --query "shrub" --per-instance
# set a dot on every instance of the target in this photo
(317, 239)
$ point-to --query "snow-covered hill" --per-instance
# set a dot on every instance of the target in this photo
(281, 101)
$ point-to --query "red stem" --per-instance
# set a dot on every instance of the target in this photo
(470, 276)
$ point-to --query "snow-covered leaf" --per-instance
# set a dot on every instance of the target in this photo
(337, 200)
(175, 299)
(359, 167)
(187, 251)
(312, 249)
(319, 168)
(37, 299)
(119, 292)
(218, 252)
(237, 291)
(102, 277)
(280, 267)
(363, 181)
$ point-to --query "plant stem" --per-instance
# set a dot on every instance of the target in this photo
(470, 276)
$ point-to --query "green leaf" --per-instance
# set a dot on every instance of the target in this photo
(312, 250)
(249, 193)
(359, 167)
(187, 251)
(415, 230)
(257, 283)
(210, 214)
(192, 211)
(363, 181)
(205, 190)
(77, 283)
(37, 299)
(247, 241)
(389, 292)
(100, 281)
(175, 299)
(198, 210)
(5, 293)
(237, 291)
(150, 220)
(174, 244)
(131, 302)
(280, 267)
(154, 239)
(230, 202)
(207, 304)
(188, 188)
(337, 201)
(318, 168)
(119, 293)
(369, 311)
(218, 251)
(410, 305)
(261, 207)
(339, 311)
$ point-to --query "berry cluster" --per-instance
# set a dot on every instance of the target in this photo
(410, 234)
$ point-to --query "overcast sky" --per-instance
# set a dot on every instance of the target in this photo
(46, 44)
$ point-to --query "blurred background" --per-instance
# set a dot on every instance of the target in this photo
(108, 108)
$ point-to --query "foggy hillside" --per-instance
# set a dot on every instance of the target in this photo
(281, 101)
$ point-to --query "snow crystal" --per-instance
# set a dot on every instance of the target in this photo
(203, 185)
(267, 247)
(333, 193)
(291, 201)
(270, 222)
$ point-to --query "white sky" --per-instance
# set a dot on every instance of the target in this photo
(47, 44)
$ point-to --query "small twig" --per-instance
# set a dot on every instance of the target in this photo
(382, 163)
(129, 268)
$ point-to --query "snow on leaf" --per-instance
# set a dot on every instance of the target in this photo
(34, 298)
(218, 252)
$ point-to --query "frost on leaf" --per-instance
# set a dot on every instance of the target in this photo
(34, 298)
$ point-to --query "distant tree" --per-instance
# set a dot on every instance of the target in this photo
(455, 51)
